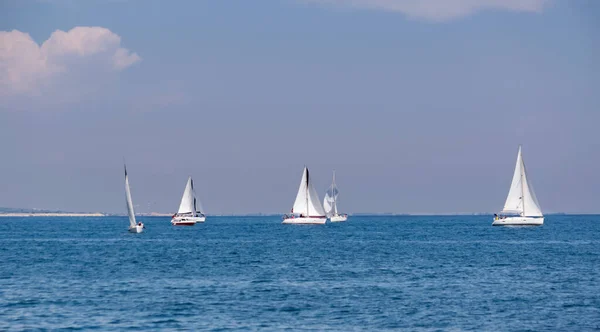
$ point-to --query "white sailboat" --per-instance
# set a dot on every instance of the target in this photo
(330, 203)
(521, 206)
(307, 207)
(134, 227)
(188, 214)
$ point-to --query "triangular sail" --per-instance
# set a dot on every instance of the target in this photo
(187, 204)
(531, 206)
(307, 200)
(130, 212)
(314, 206)
(330, 199)
(300, 204)
(513, 202)
(521, 198)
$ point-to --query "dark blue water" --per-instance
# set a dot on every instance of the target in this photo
(252, 273)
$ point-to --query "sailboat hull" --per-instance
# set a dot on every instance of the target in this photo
(136, 229)
(338, 218)
(187, 221)
(519, 221)
(305, 221)
(183, 223)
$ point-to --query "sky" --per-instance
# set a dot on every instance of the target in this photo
(419, 106)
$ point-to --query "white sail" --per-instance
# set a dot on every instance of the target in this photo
(328, 203)
(521, 199)
(307, 200)
(330, 199)
(314, 208)
(130, 212)
(513, 202)
(531, 206)
(188, 202)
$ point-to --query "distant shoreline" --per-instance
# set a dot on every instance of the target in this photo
(69, 214)
(51, 214)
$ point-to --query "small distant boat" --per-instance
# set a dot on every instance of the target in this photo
(330, 203)
(134, 227)
(188, 215)
(521, 207)
(307, 207)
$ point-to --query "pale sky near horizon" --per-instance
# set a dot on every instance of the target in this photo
(419, 106)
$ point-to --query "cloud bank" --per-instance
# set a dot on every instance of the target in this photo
(25, 65)
(440, 10)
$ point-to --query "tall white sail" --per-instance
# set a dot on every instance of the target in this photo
(521, 199)
(513, 202)
(130, 212)
(531, 206)
(330, 199)
(328, 203)
(188, 202)
(307, 200)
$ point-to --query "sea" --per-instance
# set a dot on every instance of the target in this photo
(371, 273)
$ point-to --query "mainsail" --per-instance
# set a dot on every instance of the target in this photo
(307, 200)
(521, 198)
(130, 212)
(330, 199)
(188, 201)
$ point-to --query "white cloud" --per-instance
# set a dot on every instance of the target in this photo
(440, 10)
(25, 65)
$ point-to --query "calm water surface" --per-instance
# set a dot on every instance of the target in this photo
(252, 273)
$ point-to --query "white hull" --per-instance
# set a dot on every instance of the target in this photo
(136, 229)
(519, 221)
(187, 221)
(338, 218)
(305, 221)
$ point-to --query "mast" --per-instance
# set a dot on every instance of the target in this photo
(306, 190)
(334, 196)
(522, 190)
(194, 196)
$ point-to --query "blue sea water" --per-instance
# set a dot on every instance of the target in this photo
(253, 273)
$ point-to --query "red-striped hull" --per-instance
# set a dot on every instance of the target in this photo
(183, 223)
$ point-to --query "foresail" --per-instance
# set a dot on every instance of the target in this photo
(514, 203)
(531, 206)
(130, 211)
(314, 204)
(187, 200)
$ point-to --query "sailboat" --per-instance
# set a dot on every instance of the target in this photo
(330, 203)
(521, 206)
(134, 227)
(307, 208)
(188, 214)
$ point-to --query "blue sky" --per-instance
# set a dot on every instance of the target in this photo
(419, 108)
